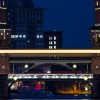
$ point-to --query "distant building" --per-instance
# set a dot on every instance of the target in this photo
(26, 23)
(5, 31)
(95, 30)
(53, 39)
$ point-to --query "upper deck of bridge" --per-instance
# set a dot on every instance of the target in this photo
(48, 52)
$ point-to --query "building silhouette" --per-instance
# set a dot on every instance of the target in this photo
(53, 39)
(26, 23)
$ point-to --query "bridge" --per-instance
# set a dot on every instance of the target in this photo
(49, 58)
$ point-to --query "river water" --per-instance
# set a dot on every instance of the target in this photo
(48, 96)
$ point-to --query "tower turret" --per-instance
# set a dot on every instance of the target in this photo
(95, 30)
(5, 31)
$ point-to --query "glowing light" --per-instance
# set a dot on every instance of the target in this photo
(77, 51)
(97, 3)
(86, 89)
(26, 66)
(74, 66)
(15, 78)
(85, 78)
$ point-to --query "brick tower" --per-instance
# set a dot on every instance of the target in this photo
(95, 41)
(5, 34)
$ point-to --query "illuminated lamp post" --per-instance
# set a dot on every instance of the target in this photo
(74, 66)
(26, 66)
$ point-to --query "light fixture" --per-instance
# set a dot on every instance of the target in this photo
(74, 66)
(26, 66)
(15, 78)
(85, 78)
(97, 66)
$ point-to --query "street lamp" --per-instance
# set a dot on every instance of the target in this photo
(74, 66)
(26, 66)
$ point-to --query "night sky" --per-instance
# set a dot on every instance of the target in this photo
(73, 17)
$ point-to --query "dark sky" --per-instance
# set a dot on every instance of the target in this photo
(73, 17)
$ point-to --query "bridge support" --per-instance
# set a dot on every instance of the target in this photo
(3, 86)
(4, 70)
(96, 87)
(95, 69)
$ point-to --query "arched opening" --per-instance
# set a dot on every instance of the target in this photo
(52, 67)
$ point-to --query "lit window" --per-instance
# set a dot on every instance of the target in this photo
(20, 36)
(54, 47)
(50, 38)
(12, 36)
(99, 35)
(54, 42)
(54, 37)
(24, 36)
(97, 3)
(50, 42)
(7, 33)
(37, 36)
(1, 33)
(16, 36)
(3, 3)
(50, 47)
(41, 36)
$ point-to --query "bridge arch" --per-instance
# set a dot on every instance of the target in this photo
(56, 66)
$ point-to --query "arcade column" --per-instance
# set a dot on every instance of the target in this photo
(4, 70)
(95, 69)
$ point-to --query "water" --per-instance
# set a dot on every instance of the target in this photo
(48, 96)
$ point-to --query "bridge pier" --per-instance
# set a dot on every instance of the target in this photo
(96, 87)
(3, 86)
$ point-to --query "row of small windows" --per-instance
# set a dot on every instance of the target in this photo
(52, 47)
(51, 38)
(52, 42)
(39, 36)
(18, 36)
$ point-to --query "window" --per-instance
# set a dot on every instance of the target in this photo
(37, 41)
(16, 36)
(54, 47)
(54, 42)
(3, 3)
(99, 35)
(24, 36)
(97, 3)
(41, 36)
(7, 33)
(1, 33)
(20, 36)
(50, 42)
(37, 36)
(50, 47)
(50, 38)
(54, 37)
(12, 36)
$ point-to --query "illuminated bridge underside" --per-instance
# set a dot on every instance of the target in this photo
(50, 76)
